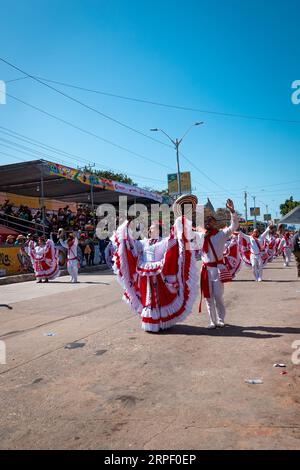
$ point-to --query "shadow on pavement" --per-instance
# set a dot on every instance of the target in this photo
(80, 282)
(232, 330)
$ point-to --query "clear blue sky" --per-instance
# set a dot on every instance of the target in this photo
(229, 56)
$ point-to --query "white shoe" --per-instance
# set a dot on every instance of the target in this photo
(259, 279)
(220, 324)
(211, 326)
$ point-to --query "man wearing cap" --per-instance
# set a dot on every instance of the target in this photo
(212, 243)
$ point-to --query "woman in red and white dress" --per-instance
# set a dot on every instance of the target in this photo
(285, 247)
(159, 275)
(271, 247)
(232, 255)
(44, 259)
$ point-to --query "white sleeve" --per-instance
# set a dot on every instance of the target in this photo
(263, 235)
(280, 244)
(234, 223)
(244, 236)
(198, 240)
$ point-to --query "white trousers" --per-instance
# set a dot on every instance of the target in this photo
(215, 304)
(257, 266)
(287, 256)
(73, 269)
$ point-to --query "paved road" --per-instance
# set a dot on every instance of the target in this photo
(182, 389)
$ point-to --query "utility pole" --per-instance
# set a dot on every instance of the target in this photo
(42, 199)
(254, 199)
(176, 144)
(246, 210)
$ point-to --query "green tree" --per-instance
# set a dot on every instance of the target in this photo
(162, 192)
(110, 175)
(288, 205)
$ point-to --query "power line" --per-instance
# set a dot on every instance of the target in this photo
(81, 103)
(167, 105)
(85, 131)
(102, 138)
(38, 80)
(73, 157)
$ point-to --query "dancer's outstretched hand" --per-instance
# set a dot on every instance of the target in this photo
(230, 205)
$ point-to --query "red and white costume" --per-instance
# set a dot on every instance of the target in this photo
(232, 256)
(72, 259)
(256, 253)
(212, 289)
(159, 277)
(44, 260)
(285, 247)
(271, 247)
(278, 241)
(109, 253)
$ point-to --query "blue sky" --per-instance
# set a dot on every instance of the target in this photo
(227, 56)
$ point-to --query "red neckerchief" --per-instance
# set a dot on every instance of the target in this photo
(255, 238)
(207, 237)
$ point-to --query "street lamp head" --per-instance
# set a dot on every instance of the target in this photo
(198, 123)
(154, 130)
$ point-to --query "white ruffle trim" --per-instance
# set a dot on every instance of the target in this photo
(131, 297)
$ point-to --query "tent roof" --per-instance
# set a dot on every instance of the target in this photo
(292, 217)
(7, 231)
(67, 184)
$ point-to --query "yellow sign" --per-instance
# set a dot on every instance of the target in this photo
(186, 186)
(14, 260)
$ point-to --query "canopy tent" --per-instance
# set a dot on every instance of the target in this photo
(292, 217)
(5, 231)
(54, 181)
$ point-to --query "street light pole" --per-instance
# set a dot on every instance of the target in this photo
(254, 198)
(246, 210)
(176, 144)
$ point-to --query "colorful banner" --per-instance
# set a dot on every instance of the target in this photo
(14, 260)
(97, 182)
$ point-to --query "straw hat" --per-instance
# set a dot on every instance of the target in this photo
(189, 200)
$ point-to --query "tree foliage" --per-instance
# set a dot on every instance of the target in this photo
(110, 175)
(288, 205)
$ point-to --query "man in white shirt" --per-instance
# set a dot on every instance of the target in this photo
(72, 259)
(212, 241)
(255, 242)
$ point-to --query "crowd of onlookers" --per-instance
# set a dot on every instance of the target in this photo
(81, 223)
(31, 219)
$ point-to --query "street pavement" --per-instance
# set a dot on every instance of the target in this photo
(121, 388)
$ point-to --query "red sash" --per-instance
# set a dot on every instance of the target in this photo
(204, 286)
